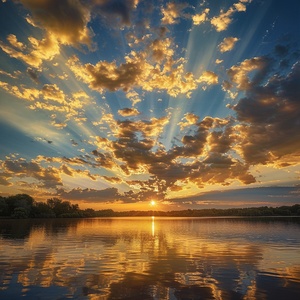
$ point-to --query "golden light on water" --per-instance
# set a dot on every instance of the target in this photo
(153, 226)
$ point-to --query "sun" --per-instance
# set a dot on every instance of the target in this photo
(152, 203)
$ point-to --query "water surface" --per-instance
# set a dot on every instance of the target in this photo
(150, 258)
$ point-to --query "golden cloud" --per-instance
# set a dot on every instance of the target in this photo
(224, 19)
(227, 44)
(172, 12)
(128, 112)
(201, 18)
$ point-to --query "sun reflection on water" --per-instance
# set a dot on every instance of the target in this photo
(153, 226)
(173, 259)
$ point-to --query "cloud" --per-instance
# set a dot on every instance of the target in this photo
(208, 77)
(268, 114)
(222, 21)
(63, 22)
(48, 177)
(40, 50)
(104, 160)
(55, 100)
(52, 92)
(46, 172)
(13, 75)
(66, 21)
(227, 44)
(128, 112)
(188, 120)
(33, 74)
(172, 12)
(92, 195)
(262, 196)
(120, 9)
(137, 72)
(113, 179)
(202, 158)
(239, 74)
(5, 178)
(22, 92)
(12, 39)
(200, 18)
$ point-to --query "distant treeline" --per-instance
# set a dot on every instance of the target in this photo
(22, 206)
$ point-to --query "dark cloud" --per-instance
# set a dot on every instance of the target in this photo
(128, 112)
(270, 116)
(33, 74)
(67, 19)
(206, 149)
(121, 9)
(74, 143)
(104, 160)
(91, 195)
(125, 76)
(261, 196)
(4, 178)
(48, 177)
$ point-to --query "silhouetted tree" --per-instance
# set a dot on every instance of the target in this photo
(20, 201)
(20, 213)
(63, 208)
(42, 210)
(3, 207)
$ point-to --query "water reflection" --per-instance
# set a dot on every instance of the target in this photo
(153, 226)
(150, 258)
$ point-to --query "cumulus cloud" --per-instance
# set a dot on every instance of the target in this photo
(66, 20)
(201, 158)
(52, 92)
(200, 18)
(268, 114)
(39, 50)
(91, 195)
(209, 78)
(227, 44)
(137, 72)
(12, 39)
(45, 172)
(22, 92)
(47, 176)
(240, 74)
(172, 12)
(188, 120)
(63, 22)
(50, 98)
(224, 19)
(128, 112)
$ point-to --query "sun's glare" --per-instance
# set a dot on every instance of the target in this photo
(152, 203)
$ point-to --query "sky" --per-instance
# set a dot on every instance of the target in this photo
(119, 104)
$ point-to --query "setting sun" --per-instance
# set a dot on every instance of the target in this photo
(152, 203)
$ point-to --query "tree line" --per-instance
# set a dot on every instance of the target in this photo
(22, 206)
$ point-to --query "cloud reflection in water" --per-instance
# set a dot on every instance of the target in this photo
(150, 258)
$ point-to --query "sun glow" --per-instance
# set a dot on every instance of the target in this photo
(152, 203)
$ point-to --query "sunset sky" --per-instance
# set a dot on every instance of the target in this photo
(114, 104)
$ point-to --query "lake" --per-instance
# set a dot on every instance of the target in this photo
(150, 258)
